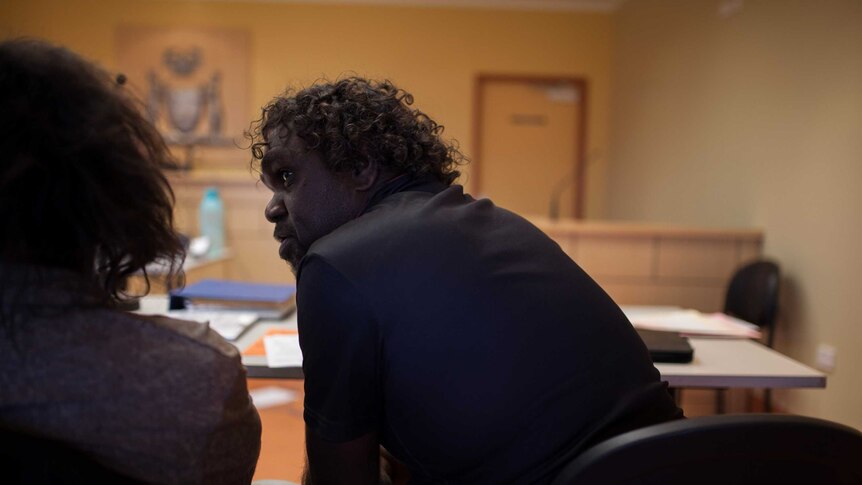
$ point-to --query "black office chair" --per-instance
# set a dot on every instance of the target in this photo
(752, 295)
(33, 460)
(729, 449)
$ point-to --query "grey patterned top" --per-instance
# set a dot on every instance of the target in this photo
(157, 399)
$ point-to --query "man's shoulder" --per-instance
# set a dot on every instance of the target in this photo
(411, 218)
(394, 222)
(415, 231)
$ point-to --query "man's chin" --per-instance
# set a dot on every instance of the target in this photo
(293, 267)
(291, 252)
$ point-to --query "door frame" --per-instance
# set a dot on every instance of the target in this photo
(579, 168)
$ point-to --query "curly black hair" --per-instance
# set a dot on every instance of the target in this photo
(353, 121)
(81, 185)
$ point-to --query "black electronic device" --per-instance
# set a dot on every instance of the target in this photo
(667, 347)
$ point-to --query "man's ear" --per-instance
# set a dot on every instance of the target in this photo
(365, 177)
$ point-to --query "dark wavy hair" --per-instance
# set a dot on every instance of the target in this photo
(353, 121)
(81, 185)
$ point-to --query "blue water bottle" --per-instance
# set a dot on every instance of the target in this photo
(212, 221)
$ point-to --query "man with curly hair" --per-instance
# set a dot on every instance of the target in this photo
(442, 332)
(83, 205)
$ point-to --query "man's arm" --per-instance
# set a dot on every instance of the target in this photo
(352, 462)
(340, 340)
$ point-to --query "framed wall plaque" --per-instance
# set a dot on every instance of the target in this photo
(194, 86)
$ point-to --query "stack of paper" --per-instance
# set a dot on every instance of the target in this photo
(692, 322)
(265, 300)
(271, 396)
(283, 350)
(230, 325)
(280, 346)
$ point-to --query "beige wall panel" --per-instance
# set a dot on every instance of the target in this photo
(245, 219)
(701, 402)
(258, 261)
(241, 223)
(246, 190)
(615, 256)
(569, 245)
(748, 251)
(697, 402)
(696, 258)
(692, 272)
(629, 293)
(185, 217)
(188, 200)
(248, 233)
(244, 204)
(159, 282)
(704, 298)
(216, 270)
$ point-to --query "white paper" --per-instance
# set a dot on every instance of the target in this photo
(228, 324)
(692, 322)
(271, 396)
(282, 350)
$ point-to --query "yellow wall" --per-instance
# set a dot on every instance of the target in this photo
(435, 53)
(754, 120)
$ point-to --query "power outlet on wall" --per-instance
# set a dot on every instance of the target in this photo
(826, 355)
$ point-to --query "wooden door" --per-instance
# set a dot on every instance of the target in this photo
(530, 144)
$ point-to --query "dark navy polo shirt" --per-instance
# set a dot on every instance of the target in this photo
(468, 339)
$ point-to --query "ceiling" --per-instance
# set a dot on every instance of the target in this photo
(562, 5)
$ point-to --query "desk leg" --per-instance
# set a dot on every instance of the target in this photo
(676, 395)
(720, 406)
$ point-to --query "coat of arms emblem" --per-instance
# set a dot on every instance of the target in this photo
(193, 113)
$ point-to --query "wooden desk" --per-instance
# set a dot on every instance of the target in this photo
(282, 443)
(739, 363)
(725, 363)
(718, 363)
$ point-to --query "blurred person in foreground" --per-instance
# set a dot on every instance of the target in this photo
(447, 335)
(84, 205)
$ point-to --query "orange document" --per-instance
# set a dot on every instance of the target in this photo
(257, 347)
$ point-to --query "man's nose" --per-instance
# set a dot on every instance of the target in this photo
(275, 209)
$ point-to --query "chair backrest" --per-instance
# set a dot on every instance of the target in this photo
(752, 293)
(727, 449)
(34, 460)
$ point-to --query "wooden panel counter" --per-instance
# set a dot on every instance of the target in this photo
(657, 264)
